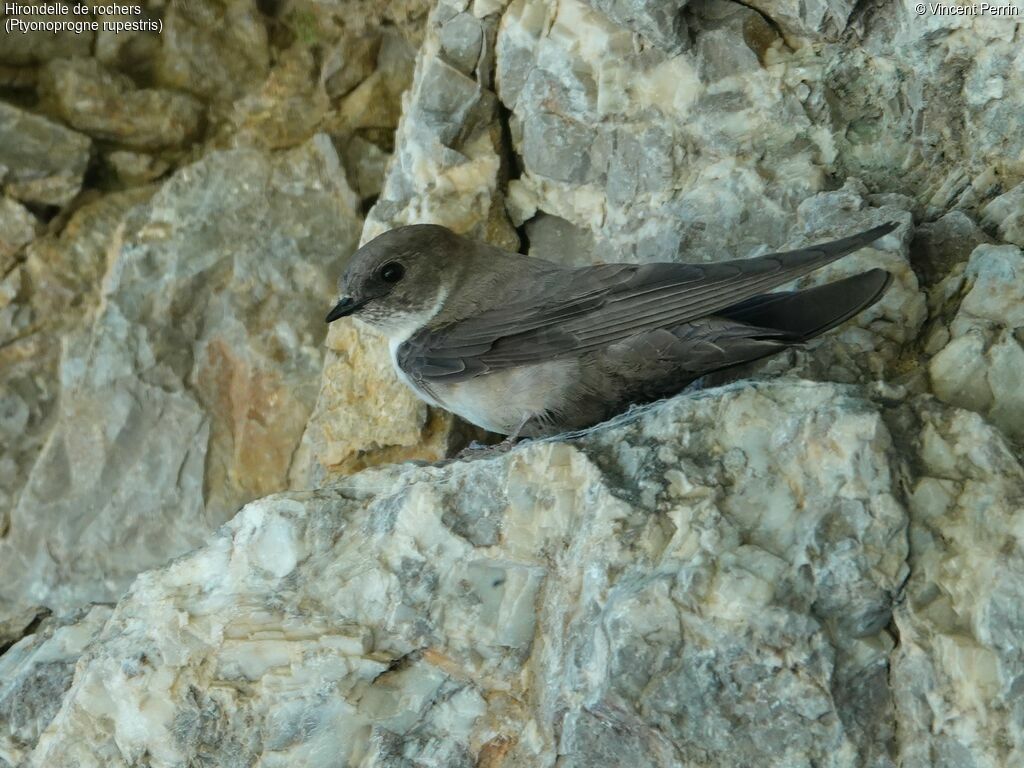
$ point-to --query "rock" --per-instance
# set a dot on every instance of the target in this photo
(17, 229)
(365, 164)
(461, 39)
(34, 675)
(349, 63)
(556, 239)
(188, 393)
(134, 168)
(107, 106)
(40, 161)
(1005, 215)
(939, 246)
(287, 110)
(979, 368)
(707, 153)
(55, 289)
(214, 49)
(690, 583)
(813, 21)
(375, 104)
(660, 22)
(721, 28)
(956, 670)
(25, 46)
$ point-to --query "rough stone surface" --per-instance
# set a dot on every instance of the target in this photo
(189, 392)
(956, 672)
(108, 106)
(688, 585)
(35, 673)
(23, 48)
(40, 161)
(17, 229)
(659, 21)
(215, 49)
(53, 290)
(980, 367)
(1005, 214)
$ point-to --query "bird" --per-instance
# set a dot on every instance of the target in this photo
(525, 347)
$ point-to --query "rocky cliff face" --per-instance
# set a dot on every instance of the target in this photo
(817, 564)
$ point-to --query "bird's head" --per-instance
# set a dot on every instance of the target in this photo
(397, 281)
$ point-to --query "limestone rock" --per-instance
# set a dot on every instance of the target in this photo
(34, 675)
(1005, 214)
(215, 49)
(956, 671)
(287, 109)
(40, 161)
(708, 153)
(17, 229)
(30, 47)
(940, 246)
(108, 106)
(692, 583)
(54, 290)
(659, 21)
(980, 366)
(188, 393)
(815, 20)
(134, 168)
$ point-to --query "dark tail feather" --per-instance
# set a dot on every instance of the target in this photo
(802, 315)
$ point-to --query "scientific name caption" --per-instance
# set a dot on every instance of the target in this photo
(60, 17)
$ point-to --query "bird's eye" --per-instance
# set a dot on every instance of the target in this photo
(392, 272)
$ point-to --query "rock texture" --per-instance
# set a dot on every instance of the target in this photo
(196, 378)
(818, 563)
(713, 581)
(40, 161)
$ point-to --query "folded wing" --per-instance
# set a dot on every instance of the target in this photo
(573, 311)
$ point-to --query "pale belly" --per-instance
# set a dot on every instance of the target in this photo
(503, 401)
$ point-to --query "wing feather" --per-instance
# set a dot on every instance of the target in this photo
(568, 312)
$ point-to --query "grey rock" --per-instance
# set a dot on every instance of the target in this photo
(17, 229)
(560, 149)
(641, 164)
(941, 245)
(659, 21)
(686, 584)
(35, 674)
(53, 289)
(30, 47)
(813, 19)
(461, 39)
(979, 366)
(956, 671)
(107, 106)
(40, 161)
(134, 168)
(215, 49)
(1005, 215)
(188, 393)
(555, 239)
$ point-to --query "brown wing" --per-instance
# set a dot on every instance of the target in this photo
(569, 312)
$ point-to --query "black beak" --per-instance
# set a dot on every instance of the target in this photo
(343, 308)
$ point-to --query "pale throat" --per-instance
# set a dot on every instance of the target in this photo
(399, 325)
